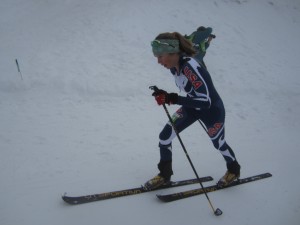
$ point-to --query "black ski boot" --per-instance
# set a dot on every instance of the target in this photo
(232, 174)
(164, 177)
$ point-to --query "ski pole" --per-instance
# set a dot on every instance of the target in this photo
(18, 67)
(218, 211)
(203, 126)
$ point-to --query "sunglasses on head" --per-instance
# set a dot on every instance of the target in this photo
(156, 43)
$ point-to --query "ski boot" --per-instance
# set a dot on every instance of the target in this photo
(232, 174)
(163, 178)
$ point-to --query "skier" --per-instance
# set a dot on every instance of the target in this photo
(201, 39)
(202, 103)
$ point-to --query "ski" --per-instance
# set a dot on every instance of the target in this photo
(133, 191)
(199, 191)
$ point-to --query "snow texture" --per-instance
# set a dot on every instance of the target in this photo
(82, 120)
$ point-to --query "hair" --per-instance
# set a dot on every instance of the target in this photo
(185, 45)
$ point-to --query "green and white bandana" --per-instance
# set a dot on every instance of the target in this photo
(163, 46)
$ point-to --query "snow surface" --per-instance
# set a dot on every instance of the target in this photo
(83, 120)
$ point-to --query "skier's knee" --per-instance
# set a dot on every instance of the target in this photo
(166, 135)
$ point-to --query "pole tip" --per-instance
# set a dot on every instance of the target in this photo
(218, 212)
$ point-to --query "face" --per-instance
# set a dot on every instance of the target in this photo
(168, 60)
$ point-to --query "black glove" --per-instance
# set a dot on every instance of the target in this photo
(163, 97)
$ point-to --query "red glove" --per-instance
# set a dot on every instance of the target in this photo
(163, 97)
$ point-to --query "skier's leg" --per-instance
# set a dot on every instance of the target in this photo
(182, 118)
(216, 133)
(215, 124)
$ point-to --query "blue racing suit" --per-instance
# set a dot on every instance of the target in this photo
(202, 103)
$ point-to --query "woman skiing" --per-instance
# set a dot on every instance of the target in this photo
(202, 103)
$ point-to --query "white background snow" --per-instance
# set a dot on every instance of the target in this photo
(83, 120)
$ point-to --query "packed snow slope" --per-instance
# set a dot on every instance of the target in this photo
(82, 120)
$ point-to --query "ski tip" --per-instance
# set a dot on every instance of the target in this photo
(162, 198)
(70, 200)
(159, 197)
(65, 197)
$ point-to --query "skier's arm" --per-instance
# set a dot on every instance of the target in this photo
(194, 102)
